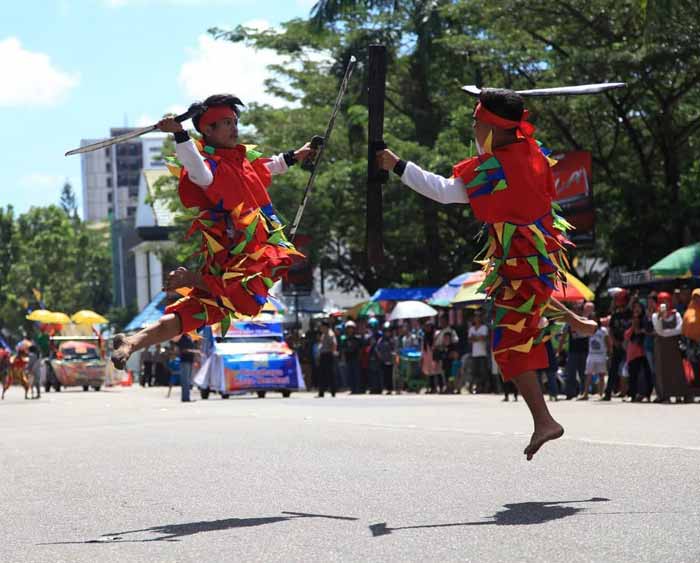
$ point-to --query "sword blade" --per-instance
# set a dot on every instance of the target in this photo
(558, 91)
(195, 109)
(573, 90)
(319, 154)
(113, 140)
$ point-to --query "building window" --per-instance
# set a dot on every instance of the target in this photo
(108, 152)
(130, 211)
(109, 198)
(133, 192)
(108, 166)
(109, 182)
(110, 209)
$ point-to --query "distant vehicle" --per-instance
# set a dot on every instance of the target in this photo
(251, 357)
(77, 363)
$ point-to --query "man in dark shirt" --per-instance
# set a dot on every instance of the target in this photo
(187, 351)
(620, 321)
(350, 345)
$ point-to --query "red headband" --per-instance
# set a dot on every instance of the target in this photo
(524, 126)
(215, 114)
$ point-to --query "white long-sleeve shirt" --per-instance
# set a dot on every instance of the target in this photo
(200, 173)
(657, 321)
(434, 186)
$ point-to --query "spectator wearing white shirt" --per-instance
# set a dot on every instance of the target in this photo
(478, 337)
(597, 359)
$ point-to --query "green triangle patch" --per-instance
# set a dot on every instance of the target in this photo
(200, 316)
(502, 185)
(275, 238)
(225, 324)
(491, 164)
(527, 306)
(534, 262)
(238, 248)
(250, 229)
(508, 231)
(482, 178)
(252, 155)
(500, 313)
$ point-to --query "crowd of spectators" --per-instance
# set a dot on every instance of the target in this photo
(647, 348)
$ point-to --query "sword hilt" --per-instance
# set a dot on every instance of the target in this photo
(309, 162)
(195, 110)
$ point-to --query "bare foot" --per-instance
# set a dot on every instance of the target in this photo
(542, 435)
(122, 351)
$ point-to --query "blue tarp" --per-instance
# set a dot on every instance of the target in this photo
(151, 314)
(403, 294)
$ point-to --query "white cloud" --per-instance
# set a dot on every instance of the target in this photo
(217, 66)
(30, 78)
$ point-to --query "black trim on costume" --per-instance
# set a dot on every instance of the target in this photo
(400, 167)
(289, 158)
(181, 137)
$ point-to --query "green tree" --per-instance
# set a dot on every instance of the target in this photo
(426, 242)
(644, 140)
(68, 202)
(67, 260)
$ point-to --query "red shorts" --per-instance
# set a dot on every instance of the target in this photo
(194, 314)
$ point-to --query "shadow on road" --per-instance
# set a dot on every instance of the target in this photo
(518, 514)
(172, 532)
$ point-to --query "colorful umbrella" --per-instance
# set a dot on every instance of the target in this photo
(576, 290)
(87, 317)
(682, 263)
(365, 309)
(58, 319)
(39, 315)
(445, 295)
(469, 294)
(411, 310)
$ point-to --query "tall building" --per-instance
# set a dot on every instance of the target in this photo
(111, 176)
(111, 179)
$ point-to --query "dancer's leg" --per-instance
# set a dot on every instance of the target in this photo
(546, 428)
(166, 328)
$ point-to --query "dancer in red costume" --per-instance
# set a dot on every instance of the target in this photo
(243, 246)
(510, 187)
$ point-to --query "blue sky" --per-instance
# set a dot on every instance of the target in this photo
(74, 68)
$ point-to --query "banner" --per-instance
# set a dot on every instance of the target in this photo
(572, 181)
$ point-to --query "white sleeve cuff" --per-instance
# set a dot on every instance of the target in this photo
(277, 165)
(434, 186)
(197, 169)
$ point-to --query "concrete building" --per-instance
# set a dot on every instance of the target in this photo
(154, 222)
(111, 176)
(111, 179)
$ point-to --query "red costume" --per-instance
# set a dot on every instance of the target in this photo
(512, 190)
(243, 246)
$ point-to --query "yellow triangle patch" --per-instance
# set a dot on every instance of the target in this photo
(215, 246)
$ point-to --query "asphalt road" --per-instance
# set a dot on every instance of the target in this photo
(128, 475)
